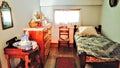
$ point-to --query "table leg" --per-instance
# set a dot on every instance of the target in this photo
(8, 61)
(26, 61)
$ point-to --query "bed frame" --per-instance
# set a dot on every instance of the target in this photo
(83, 55)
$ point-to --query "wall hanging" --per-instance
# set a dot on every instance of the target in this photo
(6, 15)
(113, 3)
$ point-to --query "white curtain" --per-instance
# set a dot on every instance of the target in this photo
(67, 16)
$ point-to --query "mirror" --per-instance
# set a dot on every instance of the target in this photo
(6, 15)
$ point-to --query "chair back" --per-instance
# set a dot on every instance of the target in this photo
(63, 32)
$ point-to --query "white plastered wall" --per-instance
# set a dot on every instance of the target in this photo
(110, 21)
(22, 11)
(90, 12)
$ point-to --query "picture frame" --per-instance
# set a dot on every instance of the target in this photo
(113, 3)
(6, 16)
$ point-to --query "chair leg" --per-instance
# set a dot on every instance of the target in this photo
(68, 44)
(58, 44)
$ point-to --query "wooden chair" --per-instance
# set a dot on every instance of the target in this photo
(63, 36)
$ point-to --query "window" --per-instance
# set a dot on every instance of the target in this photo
(71, 16)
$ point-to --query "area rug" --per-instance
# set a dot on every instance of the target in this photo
(65, 62)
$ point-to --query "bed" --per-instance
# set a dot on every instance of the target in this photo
(94, 48)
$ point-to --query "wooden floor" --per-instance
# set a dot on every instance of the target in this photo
(62, 52)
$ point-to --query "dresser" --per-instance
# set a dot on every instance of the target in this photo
(42, 36)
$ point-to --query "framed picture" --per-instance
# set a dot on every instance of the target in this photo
(6, 15)
(113, 3)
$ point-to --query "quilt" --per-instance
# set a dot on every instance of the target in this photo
(98, 46)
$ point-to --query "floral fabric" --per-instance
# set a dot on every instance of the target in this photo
(98, 46)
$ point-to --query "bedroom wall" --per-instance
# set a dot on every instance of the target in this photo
(110, 21)
(22, 11)
(90, 11)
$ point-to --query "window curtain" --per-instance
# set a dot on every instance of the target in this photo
(67, 16)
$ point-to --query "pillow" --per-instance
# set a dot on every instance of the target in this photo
(87, 31)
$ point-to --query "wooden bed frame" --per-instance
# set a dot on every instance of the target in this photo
(83, 56)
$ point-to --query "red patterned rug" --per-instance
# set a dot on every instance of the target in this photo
(65, 62)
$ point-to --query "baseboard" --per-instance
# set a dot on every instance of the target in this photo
(56, 44)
